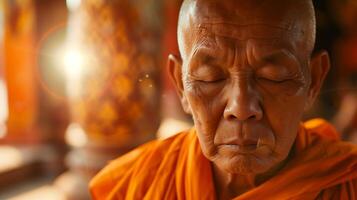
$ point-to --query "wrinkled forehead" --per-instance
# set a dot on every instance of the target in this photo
(233, 17)
(245, 20)
(280, 13)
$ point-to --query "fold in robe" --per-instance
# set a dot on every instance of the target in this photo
(321, 167)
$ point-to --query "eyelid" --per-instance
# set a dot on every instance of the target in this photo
(206, 79)
(282, 79)
(277, 76)
(274, 70)
(207, 69)
(274, 80)
(212, 81)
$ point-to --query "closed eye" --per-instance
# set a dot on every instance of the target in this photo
(212, 81)
(277, 81)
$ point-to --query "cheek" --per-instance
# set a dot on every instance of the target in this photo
(206, 113)
(206, 109)
(284, 114)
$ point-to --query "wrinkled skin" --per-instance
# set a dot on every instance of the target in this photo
(246, 75)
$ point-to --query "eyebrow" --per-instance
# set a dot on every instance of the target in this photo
(235, 30)
(206, 55)
(205, 47)
(277, 55)
(281, 53)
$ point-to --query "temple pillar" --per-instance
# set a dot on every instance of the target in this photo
(19, 109)
(19, 72)
(113, 76)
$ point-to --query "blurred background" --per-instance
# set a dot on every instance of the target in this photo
(84, 81)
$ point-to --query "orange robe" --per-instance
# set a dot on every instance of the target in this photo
(322, 167)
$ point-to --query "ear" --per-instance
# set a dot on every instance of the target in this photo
(174, 65)
(319, 67)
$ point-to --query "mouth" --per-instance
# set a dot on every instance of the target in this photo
(239, 142)
(241, 147)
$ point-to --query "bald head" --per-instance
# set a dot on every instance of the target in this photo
(231, 17)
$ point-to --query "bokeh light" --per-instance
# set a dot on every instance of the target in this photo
(75, 135)
(73, 62)
(72, 5)
(10, 157)
(4, 110)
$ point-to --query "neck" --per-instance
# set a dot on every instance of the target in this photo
(230, 185)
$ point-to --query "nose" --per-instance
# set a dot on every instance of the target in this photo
(243, 103)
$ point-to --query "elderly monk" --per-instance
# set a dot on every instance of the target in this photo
(246, 74)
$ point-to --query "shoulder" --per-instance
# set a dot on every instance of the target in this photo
(321, 137)
(140, 164)
(319, 131)
(346, 190)
(335, 160)
(322, 129)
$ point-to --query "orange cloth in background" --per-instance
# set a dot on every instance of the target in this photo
(321, 167)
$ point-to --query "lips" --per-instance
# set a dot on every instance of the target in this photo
(237, 149)
(240, 142)
(240, 146)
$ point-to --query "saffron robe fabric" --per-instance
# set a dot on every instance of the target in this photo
(321, 167)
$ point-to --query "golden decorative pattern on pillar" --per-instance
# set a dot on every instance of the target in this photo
(118, 101)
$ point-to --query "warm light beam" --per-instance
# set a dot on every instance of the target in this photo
(72, 5)
(73, 62)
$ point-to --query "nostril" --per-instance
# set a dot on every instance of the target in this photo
(252, 117)
(241, 118)
(232, 117)
(243, 111)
